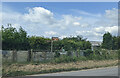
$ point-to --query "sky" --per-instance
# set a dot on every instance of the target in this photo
(63, 19)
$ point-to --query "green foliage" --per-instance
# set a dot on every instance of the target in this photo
(116, 43)
(88, 52)
(107, 41)
(57, 54)
(13, 39)
(97, 52)
(69, 53)
(39, 43)
(67, 59)
(111, 42)
(104, 54)
(72, 44)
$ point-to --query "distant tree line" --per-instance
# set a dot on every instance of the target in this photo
(72, 43)
(13, 39)
(111, 42)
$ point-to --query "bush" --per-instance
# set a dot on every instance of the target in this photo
(88, 52)
(97, 52)
(104, 55)
(57, 54)
(69, 53)
(64, 59)
(67, 59)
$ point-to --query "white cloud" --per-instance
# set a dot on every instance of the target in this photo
(11, 18)
(50, 33)
(70, 20)
(17, 26)
(112, 14)
(86, 13)
(90, 35)
(76, 23)
(41, 21)
(67, 21)
(63, 36)
(99, 29)
(85, 25)
(81, 25)
(110, 18)
(113, 30)
(39, 15)
(98, 32)
(46, 17)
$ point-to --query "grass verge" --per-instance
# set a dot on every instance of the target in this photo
(29, 69)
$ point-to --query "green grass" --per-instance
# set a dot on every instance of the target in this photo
(23, 73)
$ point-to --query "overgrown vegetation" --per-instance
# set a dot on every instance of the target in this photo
(29, 69)
(111, 42)
(13, 39)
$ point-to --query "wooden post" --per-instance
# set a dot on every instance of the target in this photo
(44, 55)
(32, 58)
(29, 55)
(14, 56)
(51, 46)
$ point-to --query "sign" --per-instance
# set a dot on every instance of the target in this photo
(55, 38)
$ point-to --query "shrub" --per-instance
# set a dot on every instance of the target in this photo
(97, 52)
(67, 59)
(69, 53)
(88, 52)
(57, 54)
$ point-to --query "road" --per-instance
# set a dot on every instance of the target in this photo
(109, 71)
(112, 72)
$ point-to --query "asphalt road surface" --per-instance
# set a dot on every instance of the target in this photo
(109, 72)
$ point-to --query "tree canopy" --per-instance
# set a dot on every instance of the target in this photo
(111, 42)
(13, 39)
(18, 39)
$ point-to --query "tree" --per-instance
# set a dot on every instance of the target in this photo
(75, 43)
(13, 39)
(107, 41)
(8, 37)
(23, 39)
(39, 43)
(115, 43)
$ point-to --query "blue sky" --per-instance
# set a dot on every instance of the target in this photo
(63, 7)
(63, 19)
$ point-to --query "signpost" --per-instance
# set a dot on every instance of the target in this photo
(51, 46)
(53, 39)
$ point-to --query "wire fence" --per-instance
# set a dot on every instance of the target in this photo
(27, 56)
(24, 56)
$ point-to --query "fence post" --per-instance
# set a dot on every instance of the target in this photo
(44, 55)
(29, 56)
(32, 58)
(14, 56)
